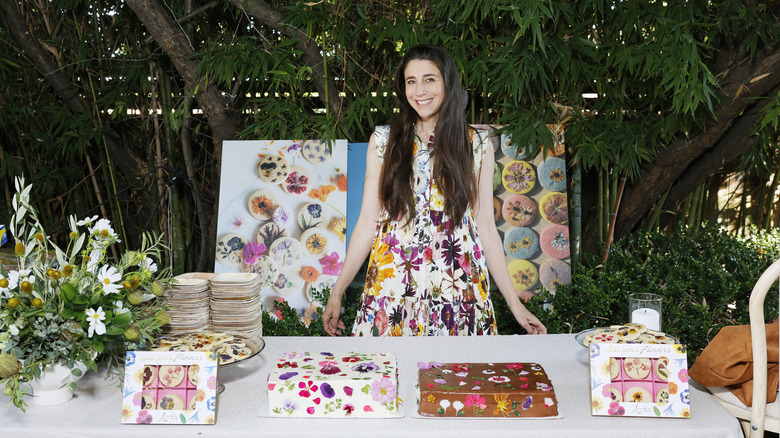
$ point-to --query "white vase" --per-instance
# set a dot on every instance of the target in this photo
(53, 387)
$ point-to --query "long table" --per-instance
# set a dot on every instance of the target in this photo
(242, 408)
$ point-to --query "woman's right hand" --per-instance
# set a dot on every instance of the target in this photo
(331, 316)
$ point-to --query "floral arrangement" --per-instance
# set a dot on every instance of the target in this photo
(74, 304)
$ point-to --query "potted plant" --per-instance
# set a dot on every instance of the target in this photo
(73, 307)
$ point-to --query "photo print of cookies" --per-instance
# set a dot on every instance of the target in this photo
(532, 212)
(282, 214)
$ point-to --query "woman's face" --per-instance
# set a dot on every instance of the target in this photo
(424, 88)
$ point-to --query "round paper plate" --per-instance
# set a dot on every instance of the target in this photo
(521, 243)
(262, 204)
(552, 174)
(518, 177)
(315, 241)
(273, 169)
(313, 215)
(315, 152)
(519, 210)
(555, 208)
(230, 249)
(298, 181)
(286, 251)
(554, 241)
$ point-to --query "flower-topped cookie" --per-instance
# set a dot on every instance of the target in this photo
(315, 152)
(273, 169)
(298, 181)
(262, 204)
(519, 177)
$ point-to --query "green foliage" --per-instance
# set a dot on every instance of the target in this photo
(704, 275)
(290, 323)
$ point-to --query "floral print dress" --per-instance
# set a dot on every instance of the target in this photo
(422, 280)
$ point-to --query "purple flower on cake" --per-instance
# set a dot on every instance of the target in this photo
(327, 390)
(488, 372)
(365, 367)
(383, 390)
(499, 379)
(288, 375)
(527, 403)
(329, 367)
(462, 374)
(440, 381)
(289, 406)
(292, 355)
(429, 365)
(348, 391)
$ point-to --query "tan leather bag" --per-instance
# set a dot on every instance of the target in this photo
(728, 361)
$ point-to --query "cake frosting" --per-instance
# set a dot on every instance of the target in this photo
(485, 390)
(326, 384)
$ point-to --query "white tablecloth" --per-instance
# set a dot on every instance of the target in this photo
(242, 407)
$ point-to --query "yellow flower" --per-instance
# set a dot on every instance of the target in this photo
(126, 412)
(27, 287)
(316, 244)
(526, 242)
(309, 274)
(19, 248)
(67, 270)
(502, 404)
(431, 398)
(339, 227)
(73, 234)
(596, 404)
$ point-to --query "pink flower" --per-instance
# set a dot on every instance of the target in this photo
(252, 251)
(381, 322)
(514, 366)
(476, 400)
(683, 375)
(331, 264)
(383, 390)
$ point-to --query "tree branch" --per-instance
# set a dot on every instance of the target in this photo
(744, 82)
(312, 57)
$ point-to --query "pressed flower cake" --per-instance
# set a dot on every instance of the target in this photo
(485, 390)
(333, 385)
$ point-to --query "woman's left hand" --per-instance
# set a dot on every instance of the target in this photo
(530, 322)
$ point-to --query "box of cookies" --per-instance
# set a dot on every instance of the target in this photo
(639, 379)
(170, 387)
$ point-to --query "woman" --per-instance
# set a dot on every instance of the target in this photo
(425, 196)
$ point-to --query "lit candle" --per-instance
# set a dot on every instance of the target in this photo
(649, 317)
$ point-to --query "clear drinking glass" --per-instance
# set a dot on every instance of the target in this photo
(645, 308)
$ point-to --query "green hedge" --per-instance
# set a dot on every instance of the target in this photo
(704, 275)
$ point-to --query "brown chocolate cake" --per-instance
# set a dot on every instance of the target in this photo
(485, 390)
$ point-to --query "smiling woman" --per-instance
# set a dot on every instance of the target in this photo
(426, 194)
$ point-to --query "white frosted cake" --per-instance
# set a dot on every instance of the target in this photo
(333, 385)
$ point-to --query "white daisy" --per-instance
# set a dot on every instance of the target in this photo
(95, 318)
(86, 221)
(149, 265)
(108, 277)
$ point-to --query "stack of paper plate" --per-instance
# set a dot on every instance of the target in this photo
(236, 305)
(189, 299)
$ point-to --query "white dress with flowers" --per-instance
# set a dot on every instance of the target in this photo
(422, 280)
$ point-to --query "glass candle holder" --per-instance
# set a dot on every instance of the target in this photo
(645, 308)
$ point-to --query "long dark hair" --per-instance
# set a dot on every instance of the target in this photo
(452, 155)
